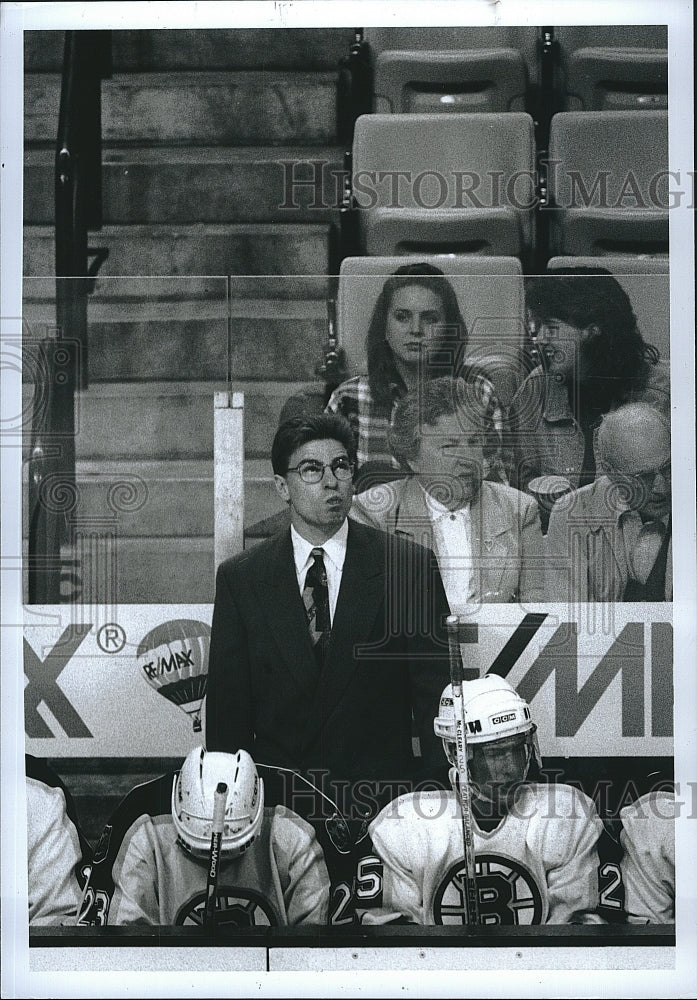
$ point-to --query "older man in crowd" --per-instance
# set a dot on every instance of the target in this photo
(611, 540)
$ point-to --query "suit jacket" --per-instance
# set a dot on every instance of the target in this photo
(387, 656)
(586, 558)
(506, 540)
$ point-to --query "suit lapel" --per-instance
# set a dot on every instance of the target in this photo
(410, 517)
(607, 563)
(285, 613)
(361, 598)
(490, 523)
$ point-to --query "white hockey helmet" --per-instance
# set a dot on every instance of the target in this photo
(494, 711)
(193, 793)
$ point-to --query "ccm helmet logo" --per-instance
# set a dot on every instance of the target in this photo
(500, 719)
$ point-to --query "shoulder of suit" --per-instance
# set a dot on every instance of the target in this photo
(379, 500)
(507, 494)
(585, 499)
(379, 539)
(257, 555)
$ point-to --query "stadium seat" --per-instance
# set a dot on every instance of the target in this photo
(647, 283)
(608, 183)
(450, 69)
(490, 296)
(613, 67)
(444, 183)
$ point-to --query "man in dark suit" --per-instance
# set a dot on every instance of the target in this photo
(329, 695)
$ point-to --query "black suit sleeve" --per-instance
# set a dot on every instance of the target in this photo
(427, 657)
(229, 695)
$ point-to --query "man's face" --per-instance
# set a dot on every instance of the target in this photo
(641, 471)
(317, 510)
(497, 768)
(451, 459)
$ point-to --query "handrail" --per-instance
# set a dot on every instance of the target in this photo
(78, 178)
(63, 357)
(355, 87)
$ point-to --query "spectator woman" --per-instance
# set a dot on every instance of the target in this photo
(417, 332)
(593, 358)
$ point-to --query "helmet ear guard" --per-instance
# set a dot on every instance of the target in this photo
(193, 791)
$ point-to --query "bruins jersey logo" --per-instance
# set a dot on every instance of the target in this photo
(236, 907)
(508, 893)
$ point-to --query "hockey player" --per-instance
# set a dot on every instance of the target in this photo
(647, 837)
(56, 847)
(152, 863)
(535, 844)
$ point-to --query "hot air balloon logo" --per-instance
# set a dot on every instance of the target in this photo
(174, 660)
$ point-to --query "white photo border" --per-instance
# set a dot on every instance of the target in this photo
(596, 979)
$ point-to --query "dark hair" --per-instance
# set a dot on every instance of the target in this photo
(592, 296)
(382, 371)
(294, 433)
(437, 398)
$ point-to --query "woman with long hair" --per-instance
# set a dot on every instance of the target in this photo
(593, 358)
(416, 332)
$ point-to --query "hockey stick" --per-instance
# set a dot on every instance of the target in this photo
(219, 804)
(464, 796)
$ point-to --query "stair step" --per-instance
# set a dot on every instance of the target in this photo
(206, 49)
(170, 340)
(202, 108)
(204, 249)
(143, 571)
(143, 293)
(143, 421)
(206, 184)
(166, 498)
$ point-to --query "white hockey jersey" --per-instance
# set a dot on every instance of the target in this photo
(280, 880)
(648, 862)
(540, 865)
(54, 856)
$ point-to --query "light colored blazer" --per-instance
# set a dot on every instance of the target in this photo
(507, 542)
(586, 557)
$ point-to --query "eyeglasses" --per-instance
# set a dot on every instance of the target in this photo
(311, 471)
(645, 478)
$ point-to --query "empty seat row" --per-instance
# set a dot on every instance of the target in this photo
(472, 183)
(506, 68)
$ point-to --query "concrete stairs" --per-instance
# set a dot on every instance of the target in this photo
(210, 282)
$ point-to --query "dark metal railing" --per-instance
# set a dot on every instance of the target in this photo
(62, 357)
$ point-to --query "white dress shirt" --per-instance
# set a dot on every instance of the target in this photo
(334, 555)
(452, 541)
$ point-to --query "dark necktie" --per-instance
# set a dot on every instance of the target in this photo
(651, 582)
(316, 600)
